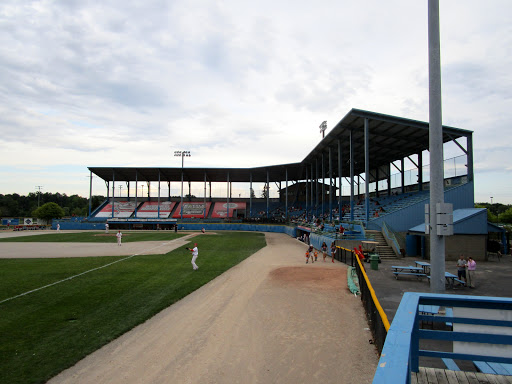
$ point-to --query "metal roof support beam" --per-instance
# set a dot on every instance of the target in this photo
(307, 187)
(312, 177)
(227, 198)
(251, 192)
(107, 184)
(158, 206)
(268, 193)
(136, 192)
(412, 161)
(460, 146)
(389, 183)
(351, 176)
(377, 182)
(169, 190)
(204, 199)
(340, 197)
(113, 191)
(330, 184)
(402, 175)
(470, 158)
(437, 243)
(317, 179)
(286, 200)
(323, 186)
(367, 168)
(420, 172)
(90, 193)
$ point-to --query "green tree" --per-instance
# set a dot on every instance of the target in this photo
(48, 212)
(506, 217)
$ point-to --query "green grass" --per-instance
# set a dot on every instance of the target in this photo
(93, 237)
(47, 331)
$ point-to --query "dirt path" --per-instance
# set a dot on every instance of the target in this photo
(57, 250)
(270, 319)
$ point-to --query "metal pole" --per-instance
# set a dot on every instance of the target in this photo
(437, 243)
(367, 169)
(182, 161)
(340, 169)
(351, 178)
(90, 194)
(330, 184)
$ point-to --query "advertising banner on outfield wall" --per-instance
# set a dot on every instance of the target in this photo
(190, 210)
(122, 209)
(150, 209)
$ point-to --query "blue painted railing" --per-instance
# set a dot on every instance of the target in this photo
(401, 351)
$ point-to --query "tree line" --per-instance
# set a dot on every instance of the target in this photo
(497, 212)
(14, 205)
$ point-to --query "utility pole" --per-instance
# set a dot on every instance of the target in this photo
(38, 187)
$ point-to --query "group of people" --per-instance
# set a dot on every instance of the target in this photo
(466, 270)
(312, 253)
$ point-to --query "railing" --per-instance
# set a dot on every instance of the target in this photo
(390, 235)
(377, 319)
(472, 338)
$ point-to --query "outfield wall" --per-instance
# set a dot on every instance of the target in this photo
(315, 240)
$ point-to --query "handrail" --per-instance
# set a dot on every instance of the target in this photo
(401, 351)
(390, 235)
(382, 314)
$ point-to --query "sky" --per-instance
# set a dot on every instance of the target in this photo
(238, 83)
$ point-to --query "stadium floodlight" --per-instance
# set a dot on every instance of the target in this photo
(323, 127)
(182, 154)
(38, 187)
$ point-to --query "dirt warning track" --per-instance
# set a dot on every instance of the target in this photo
(270, 319)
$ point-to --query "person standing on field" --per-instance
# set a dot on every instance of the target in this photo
(324, 250)
(195, 253)
(471, 266)
(119, 235)
(106, 227)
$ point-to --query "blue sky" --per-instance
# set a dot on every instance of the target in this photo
(238, 83)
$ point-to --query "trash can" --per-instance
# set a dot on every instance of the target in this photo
(374, 261)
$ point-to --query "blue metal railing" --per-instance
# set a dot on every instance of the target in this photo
(401, 352)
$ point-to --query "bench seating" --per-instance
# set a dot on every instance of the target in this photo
(450, 364)
(494, 368)
(482, 366)
(417, 274)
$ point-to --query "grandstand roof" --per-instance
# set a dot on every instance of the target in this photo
(391, 138)
(259, 174)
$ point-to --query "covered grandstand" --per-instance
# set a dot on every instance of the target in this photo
(363, 149)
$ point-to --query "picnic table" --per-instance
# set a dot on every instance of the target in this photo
(424, 265)
(451, 279)
(407, 270)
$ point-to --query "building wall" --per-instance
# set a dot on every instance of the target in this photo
(467, 245)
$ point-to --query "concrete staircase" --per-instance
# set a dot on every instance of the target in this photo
(383, 249)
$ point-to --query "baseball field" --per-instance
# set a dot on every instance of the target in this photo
(77, 308)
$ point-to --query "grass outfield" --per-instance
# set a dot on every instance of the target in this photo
(47, 331)
(93, 237)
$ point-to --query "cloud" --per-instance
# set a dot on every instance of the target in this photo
(127, 83)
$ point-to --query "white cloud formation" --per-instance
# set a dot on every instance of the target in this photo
(125, 83)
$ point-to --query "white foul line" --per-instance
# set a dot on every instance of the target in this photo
(83, 273)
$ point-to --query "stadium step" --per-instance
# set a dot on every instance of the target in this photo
(383, 249)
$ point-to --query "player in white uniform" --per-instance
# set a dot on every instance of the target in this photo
(119, 235)
(195, 252)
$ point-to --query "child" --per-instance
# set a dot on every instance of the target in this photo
(316, 255)
(324, 250)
